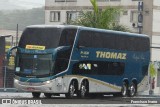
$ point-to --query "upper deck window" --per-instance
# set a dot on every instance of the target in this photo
(48, 37)
(97, 39)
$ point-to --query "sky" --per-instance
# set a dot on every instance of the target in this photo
(20, 4)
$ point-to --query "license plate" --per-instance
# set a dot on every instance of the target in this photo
(30, 89)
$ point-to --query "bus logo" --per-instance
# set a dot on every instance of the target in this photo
(85, 66)
(111, 55)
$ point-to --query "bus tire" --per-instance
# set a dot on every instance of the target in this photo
(47, 95)
(71, 90)
(83, 90)
(36, 94)
(124, 90)
(132, 89)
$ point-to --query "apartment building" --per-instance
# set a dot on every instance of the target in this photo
(60, 11)
(151, 23)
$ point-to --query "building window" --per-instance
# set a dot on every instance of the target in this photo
(125, 12)
(136, 0)
(65, 0)
(134, 16)
(72, 16)
(59, 0)
(71, 0)
(115, 0)
(117, 18)
(102, 0)
(54, 16)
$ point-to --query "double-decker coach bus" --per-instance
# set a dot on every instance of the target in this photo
(79, 61)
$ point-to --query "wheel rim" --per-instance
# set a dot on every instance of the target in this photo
(83, 90)
(132, 90)
(72, 90)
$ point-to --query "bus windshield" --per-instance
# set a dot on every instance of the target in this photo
(41, 63)
(34, 65)
(49, 37)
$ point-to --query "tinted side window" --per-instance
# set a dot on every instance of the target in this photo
(62, 59)
(85, 39)
(132, 43)
(146, 44)
(125, 42)
(97, 39)
(99, 68)
(67, 37)
(137, 44)
(108, 40)
(121, 42)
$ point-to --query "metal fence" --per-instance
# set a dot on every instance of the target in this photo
(6, 79)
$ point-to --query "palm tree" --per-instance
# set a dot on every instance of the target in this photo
(105, 19)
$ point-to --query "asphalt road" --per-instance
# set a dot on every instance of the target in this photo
(26, 98)
(98, 100)
(102, 100)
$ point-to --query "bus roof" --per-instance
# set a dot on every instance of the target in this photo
(52, 26)
(114, 32)
(88, 28)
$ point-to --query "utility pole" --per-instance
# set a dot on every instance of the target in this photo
(17, 36)
(148, 27)
(140, 17)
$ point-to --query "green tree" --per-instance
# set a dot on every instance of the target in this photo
(152, 70)
(100, 18)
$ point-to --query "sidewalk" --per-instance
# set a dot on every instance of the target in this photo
(155, 93)
(15, 95)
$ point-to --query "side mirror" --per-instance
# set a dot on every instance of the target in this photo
(9, 52)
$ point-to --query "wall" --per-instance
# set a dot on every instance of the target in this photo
(2, 53)
(156, 30)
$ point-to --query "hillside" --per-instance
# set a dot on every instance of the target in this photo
(10, 19)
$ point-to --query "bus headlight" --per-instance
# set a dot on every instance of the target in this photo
(47, 82)
(16, 81)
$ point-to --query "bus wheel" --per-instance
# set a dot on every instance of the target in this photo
(71, 90)
(47, 95)
(83, 90)
(124, 90)
(132, 89)
(36, 94)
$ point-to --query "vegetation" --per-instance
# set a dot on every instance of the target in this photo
(152, 70)
(10, 19)
(100, 18)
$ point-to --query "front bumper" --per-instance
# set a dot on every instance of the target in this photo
(46, 87)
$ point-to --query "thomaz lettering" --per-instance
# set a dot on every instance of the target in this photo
(111, 55)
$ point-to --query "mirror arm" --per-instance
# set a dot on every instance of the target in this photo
(9, 52)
